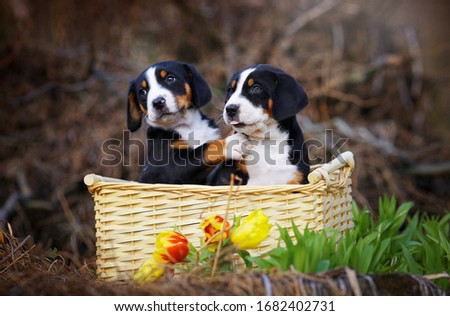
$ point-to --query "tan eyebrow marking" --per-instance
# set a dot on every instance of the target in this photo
(143, 109)
(144, 84)
(233, 84)
(163, 73)
(268, 111)
(250, 82)
(269, 106)
(184, 101)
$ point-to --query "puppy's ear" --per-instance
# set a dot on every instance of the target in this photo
(201, 94)
(134, 113)
(289, 98)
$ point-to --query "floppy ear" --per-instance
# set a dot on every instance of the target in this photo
(289, 98)
(201, 94)
(134, 113)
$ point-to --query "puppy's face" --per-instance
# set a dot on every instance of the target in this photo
(163, 92)
(249, 100)
(259, 96)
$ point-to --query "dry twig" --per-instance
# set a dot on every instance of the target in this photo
(285, 41)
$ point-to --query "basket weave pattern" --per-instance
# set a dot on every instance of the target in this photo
(130, 215)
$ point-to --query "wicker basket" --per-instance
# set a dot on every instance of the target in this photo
(129, 215)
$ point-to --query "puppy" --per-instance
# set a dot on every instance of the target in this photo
(183, 144)
(261, 103)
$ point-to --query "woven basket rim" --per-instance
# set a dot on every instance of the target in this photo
(319, 177)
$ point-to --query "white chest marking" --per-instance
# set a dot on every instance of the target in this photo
(268, 161)
(195, 131)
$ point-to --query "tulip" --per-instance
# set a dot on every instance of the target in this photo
(212, 226)
(252, 231)
(171, 247)
(149, 271)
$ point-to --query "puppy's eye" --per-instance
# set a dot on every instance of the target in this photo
(256, 89)
(170, 79)
(142, 93)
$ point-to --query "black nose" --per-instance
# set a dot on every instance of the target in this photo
(159, 103)
(232, 109)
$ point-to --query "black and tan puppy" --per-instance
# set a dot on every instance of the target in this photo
(183, 144)
(261, 103)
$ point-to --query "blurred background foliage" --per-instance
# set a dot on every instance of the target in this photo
(376, 72)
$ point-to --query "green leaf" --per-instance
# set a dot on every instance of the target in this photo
(345, 251)
(366, 259)
(205, 255)
(410, 261)
(323, 265)
(297, 233)
(379, 253)
(52, 253)
(280, 258)
(284, 234)
(261, 263)
(300, 257)
(245, 255)
(443, 242)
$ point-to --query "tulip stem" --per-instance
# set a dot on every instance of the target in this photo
(205, 245)
(222, 229)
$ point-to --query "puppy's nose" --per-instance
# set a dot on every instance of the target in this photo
(159, 103)
(232, 109)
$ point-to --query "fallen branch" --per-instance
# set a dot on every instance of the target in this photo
(51, 86)
(358, 134)
(14, 250)
(416, 63)
(8, 206)
(362, 134)
(17, 259)
(429, 169)
(24, 194)
(285, 41)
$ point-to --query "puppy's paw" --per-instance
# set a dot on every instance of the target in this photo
(236, 146)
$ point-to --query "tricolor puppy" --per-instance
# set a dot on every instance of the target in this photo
(183, 144)
(261, 103)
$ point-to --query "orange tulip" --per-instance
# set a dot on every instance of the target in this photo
(171, 247)
(212, 226)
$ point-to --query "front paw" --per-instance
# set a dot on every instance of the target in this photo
(236, 146)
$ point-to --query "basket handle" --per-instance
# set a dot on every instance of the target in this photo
(344, 159)
(91, 179)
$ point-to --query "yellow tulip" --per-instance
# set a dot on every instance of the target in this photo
(252, 231)
(149, 271)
